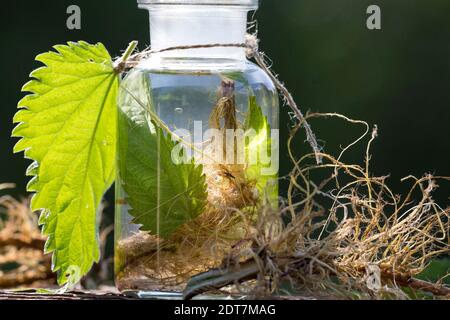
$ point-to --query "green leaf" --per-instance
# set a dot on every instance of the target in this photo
(162, 195)
(265, 183)
(437, 269)
(68, 128)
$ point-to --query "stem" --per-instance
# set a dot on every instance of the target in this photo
(131, 47)
(121, 63)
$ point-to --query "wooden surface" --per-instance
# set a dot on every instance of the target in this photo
(75, 295)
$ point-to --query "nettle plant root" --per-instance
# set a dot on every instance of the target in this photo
(334, 239)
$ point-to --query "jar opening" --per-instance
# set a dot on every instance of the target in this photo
(185, 22)
(248, 4)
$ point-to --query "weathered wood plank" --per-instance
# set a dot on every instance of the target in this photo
(74, 295)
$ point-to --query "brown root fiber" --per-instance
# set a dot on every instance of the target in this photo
(228, 186)
(22, 260)
(151, 263)
(347, 236)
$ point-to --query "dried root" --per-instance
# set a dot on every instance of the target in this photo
(22, 261)
(348, 236)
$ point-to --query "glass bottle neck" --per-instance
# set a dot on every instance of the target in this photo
(185, 25)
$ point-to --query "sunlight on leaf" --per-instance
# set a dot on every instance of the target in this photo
(68, 128)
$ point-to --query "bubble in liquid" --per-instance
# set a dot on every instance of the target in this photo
(179, 110)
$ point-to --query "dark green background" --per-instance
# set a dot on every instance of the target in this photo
(398, 78)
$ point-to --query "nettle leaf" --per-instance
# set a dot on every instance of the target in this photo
(68, 127)
(259, 144)
(162, 195)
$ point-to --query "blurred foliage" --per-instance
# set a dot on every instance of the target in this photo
(437, 270)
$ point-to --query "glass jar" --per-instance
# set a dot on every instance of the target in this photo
(197, 146)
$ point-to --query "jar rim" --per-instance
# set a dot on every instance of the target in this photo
(253, 4)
